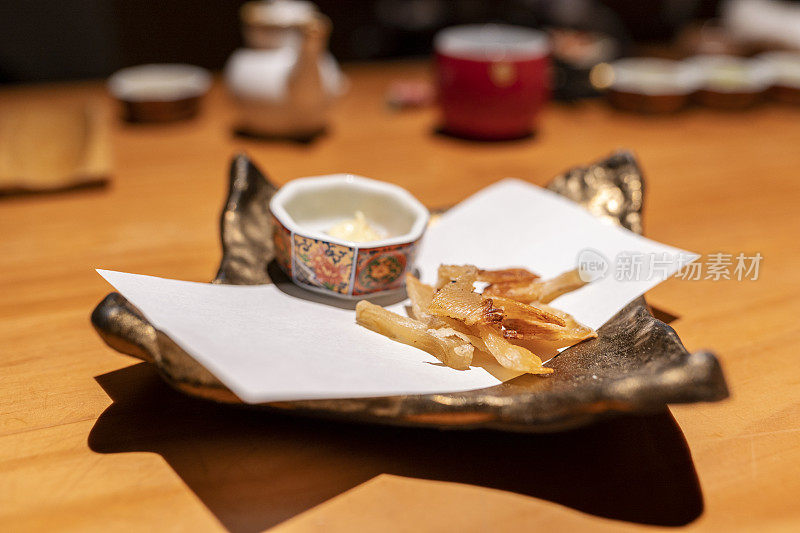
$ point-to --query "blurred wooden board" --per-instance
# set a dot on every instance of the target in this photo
(86, 444)
(48, 148)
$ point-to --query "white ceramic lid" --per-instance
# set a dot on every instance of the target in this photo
(653, 76)
(159, 82)
(785, 67)
(731, 74)
(280, 12)
(493, 42)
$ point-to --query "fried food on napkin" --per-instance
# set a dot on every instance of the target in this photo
(446, 346)
(536, 290)
(509, 320)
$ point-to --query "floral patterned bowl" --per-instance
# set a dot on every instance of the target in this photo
(306, 208)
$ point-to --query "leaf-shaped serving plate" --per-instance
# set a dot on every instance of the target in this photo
(636, 364)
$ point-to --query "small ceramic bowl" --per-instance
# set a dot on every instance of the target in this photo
(160, 93)
(730, 82)
(785, 75)
(650, 85)
(305, 209)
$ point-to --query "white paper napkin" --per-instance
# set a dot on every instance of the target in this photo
(270, 343)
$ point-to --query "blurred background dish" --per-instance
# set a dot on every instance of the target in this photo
(762, 23)
(785, 67)
(730, 82)
(160, 92)
(648, 85)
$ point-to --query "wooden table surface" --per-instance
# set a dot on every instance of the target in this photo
(90, 439)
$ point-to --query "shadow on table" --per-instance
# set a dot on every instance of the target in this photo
(441, 131)
(254, 469)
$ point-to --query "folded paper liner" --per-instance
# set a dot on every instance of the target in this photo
(280, 343)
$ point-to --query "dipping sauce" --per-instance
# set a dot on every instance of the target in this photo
(356, 229)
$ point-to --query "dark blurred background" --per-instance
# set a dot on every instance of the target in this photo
(72, 39)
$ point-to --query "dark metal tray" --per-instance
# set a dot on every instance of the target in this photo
(637, 363)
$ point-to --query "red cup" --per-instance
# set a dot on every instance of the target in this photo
(492, 80)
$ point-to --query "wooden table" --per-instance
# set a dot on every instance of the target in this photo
(89, 439)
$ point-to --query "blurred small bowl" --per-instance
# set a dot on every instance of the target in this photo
(160, 93)
(650, 85)
(785, 68)
(730, 82)
(305, 209)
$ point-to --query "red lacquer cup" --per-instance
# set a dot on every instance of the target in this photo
(492, 80)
